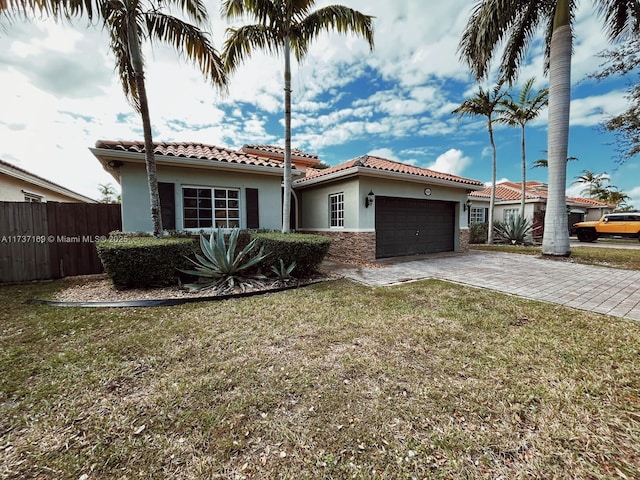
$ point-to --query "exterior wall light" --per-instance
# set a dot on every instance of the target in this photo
(368, 200)
(466, 206)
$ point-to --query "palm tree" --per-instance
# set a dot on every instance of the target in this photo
(544, 163)
(129, 23)
(594, 183)
(517, 113)
(485, 104)
(282, 26)
(612, 195)
(108, 193)
(513, 24)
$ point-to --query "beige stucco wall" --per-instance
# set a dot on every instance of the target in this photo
(136, 214)
(314, 201)
(11, 190)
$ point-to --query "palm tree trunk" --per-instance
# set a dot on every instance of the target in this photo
(286, 200)
(492, 201)
(524, 175)
(150, 162)
(556, 233)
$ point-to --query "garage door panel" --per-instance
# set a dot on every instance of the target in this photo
(413, 226)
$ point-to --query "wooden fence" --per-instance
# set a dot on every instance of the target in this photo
(52, 240)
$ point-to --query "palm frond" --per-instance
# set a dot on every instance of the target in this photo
(189, 41)
(621, 17)
(337, 18)
(242, 41)
(55, 9)
(264, 12)
(195, 9)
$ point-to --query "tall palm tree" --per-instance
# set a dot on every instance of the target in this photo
(282, 26)
(517, 113)
(485, 104)
(129, 23)
(513, 23)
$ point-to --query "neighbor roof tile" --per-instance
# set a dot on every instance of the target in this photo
(280, 151)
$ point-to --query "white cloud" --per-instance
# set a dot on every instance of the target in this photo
(452, 161)
(386, 153)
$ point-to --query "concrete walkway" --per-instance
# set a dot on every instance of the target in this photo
(603, 290)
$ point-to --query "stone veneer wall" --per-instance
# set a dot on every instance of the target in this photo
(465, 235)
(350, 247)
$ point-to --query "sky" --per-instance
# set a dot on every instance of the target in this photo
(60, 94)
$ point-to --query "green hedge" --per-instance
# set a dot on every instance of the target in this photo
(478, 232)
(143, 262)
(307, 251)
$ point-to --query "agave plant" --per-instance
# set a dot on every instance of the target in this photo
(515, 230)
(283, 273)
(219, 266)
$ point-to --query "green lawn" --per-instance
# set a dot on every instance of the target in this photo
(336, 380)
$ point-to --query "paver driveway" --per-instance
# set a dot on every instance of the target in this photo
(604, 290)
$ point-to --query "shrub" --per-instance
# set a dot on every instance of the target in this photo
(219, 263)
(143, 262)
(514, 231)
(306, 251)
(478, 232)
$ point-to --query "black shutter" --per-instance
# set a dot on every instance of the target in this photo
(167, 205)
(253, 216)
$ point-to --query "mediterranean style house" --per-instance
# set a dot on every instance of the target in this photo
(508, 200)
(372, 207)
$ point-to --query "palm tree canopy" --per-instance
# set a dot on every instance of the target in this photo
(513, 25)
(520, 111)
(484, 103)
(155, 25)
(279, 21)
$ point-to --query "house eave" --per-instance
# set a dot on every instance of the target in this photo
(106, 156)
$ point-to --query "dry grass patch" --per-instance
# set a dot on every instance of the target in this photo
(338, 380)
(627, 259)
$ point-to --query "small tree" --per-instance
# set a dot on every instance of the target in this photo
(518, 113)
(108, 193)
(485, 104)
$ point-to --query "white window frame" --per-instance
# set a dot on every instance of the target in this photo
(225, 216)
(336, 210)
(32, 197)
(477, 215)
(510, 213)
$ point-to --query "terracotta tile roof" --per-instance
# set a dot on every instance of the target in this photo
(510, 191)
(590, 202)
(191, 150)
(280, 151)
(382, 164)
(507, 191)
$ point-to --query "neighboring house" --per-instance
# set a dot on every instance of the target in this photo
(372, 207)
(18, 185)
(509, 194)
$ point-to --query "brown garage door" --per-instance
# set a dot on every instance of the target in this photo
(407, 226)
